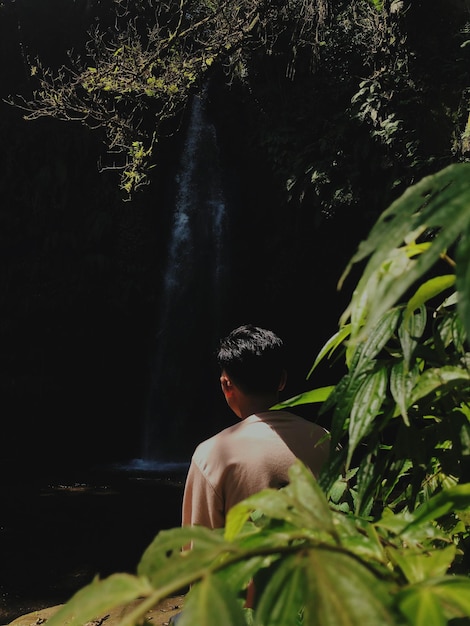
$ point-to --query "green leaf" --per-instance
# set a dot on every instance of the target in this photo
(438, 202)
(211, 603)
(366, 479)
(330, 346)
(238, 575)
(370, 346)
(360, 539)
(164, 560)
(436, 601)
(282, 599)
(426, 291)
(309, 498)
(236, 519)
(447, 501)
(420, 566)
(308, 397)
(454, 594)
(437, 379)
(421, 607)
(301, 503)
(401, 385)
(99, 597)
(411, 330)
(367, 405)
(343, 592)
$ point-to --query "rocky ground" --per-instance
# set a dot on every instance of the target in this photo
(158, 616)
(56, 537)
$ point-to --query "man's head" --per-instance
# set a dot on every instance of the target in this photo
(254, 359)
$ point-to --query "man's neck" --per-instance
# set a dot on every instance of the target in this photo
(256, 404)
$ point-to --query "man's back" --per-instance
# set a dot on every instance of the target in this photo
(247, 457)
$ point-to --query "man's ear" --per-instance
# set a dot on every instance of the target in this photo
(283, 381)
(226, 383)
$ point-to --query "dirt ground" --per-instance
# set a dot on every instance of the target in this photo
(159, 616)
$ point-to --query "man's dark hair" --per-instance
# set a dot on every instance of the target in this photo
(253, 357)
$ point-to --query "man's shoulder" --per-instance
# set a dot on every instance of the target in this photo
(215, 440)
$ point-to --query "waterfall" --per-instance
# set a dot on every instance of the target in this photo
(192, 295)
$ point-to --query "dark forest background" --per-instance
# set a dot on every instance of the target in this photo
(310, 159)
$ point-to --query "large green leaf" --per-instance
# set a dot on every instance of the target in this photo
(343, 592)
(211, 603)
(425, 292)
(164, 561)
(436, 601)
(422, 608)
(99, 598)
(301, 503)
(309, 498)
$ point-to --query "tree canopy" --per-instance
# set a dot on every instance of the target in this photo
(336, 94)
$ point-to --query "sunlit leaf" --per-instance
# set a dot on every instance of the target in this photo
(165, 560)
(99, 598)
(309, 498)
(428, 290)
(331, 345)
(301, 503)
(437, 378)
(308, 397)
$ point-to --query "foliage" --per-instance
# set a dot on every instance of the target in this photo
(338, 559)
(401, 413)
(343, 81)
(327, 567)
(135, 77)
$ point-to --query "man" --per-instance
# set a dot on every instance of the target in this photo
(256, 452)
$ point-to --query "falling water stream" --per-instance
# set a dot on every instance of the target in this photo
(191, 300)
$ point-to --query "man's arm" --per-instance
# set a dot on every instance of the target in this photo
(202, 505)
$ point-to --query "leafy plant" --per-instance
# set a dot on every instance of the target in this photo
(386, 543)
(401, 412)
(329, 568)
